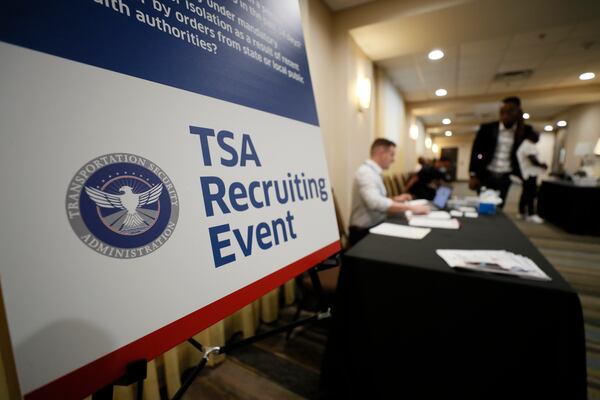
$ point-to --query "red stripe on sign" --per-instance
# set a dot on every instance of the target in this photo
(97, 374)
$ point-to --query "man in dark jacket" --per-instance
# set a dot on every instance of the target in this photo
(493, 156)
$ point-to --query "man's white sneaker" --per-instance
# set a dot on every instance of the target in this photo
(535, 219)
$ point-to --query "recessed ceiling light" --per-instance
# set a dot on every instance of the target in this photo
(436, 54)
(446, 121)
(448, 133)
(441, 92)
(548, 128)
(561, 123)
(525, 115)
(586, 76)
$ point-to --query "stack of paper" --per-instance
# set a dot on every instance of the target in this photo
(496, 261)
(435, 219)
(401, 231)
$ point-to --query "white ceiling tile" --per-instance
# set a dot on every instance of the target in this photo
(337, 5)
(416, 96)
(517, 65)
(577, 48)
(587, 29)
(481, 47)
(471, 90)
(502, 87)
(529, 52)
(542, 36)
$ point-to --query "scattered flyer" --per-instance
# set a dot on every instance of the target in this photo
(494, 261)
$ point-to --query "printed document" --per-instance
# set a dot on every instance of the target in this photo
(495, 261)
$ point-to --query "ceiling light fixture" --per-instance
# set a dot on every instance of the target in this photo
(548, 128)
(446, 121)
(525, 115)
(448, 133)
(441, 92)
(436, 54)
(586, 76)
(562, 123)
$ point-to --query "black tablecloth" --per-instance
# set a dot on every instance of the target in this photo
(576, 209)
(408, 326)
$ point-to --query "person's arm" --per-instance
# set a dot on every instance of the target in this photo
(534, 160)
(403, 197)
(367, 183)
(411, 182)
(374, 200)
(398, 207)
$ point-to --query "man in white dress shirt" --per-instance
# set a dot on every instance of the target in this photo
(370, 204)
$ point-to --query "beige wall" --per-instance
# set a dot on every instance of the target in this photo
(335, 65)
(583, 127)
(393, 123)
(464, 144)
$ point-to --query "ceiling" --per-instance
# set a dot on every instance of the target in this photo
(555, 39)
(337, 5)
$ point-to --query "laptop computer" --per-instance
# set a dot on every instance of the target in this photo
(442, 195)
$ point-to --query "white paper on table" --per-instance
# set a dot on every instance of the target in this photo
(432, 214)
(496, 261)
(401, 231)
(426, 222)
(417, 202)
(455, 213)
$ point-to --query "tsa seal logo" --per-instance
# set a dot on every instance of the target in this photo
(122, 205)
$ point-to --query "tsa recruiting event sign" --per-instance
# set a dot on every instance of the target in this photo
(161, 166)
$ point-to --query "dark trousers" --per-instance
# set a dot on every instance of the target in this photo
(500, 182)
(528, 195)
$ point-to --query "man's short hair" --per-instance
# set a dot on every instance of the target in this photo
(381, 142)
(512, 100)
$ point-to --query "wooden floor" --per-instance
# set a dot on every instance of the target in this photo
(278, 368)
(272, 369)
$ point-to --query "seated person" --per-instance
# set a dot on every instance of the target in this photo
(424, 184)
(370, 204)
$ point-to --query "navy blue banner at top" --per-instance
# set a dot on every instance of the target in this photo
(248, 52)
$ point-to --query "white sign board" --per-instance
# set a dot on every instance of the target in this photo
(162, 166)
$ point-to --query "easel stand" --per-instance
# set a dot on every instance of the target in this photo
(136, 371)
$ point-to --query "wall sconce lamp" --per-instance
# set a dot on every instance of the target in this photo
(363, 94)
(414, 132)
(597, 148)
(428, 142)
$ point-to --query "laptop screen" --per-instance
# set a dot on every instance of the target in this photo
(441, 197)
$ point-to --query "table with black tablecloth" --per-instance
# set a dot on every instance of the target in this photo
(574, 208)
(408, 326)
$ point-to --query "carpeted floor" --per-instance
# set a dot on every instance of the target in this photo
(289, 369)
(577, 258)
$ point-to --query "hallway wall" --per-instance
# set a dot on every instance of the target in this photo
(583, 128)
